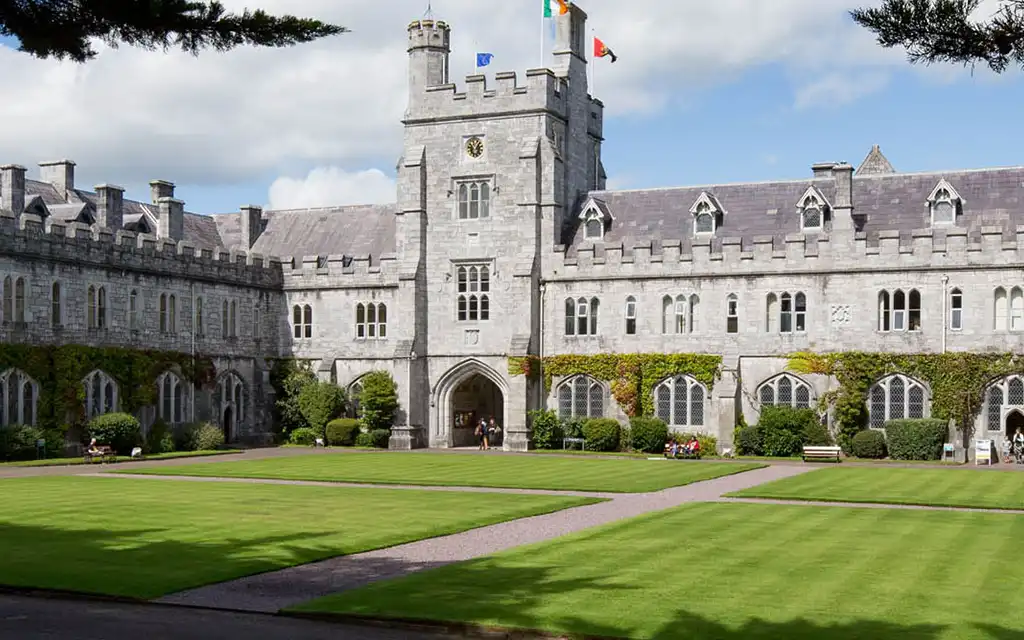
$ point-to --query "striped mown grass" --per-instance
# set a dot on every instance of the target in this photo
(148, 538)
(470, 470)
(980, 488)
(734, 572)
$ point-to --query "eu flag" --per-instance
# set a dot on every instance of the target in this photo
(483, 59)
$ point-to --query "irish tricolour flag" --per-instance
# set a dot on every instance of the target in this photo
(563, 7)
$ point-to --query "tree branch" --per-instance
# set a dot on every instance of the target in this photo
(64, 29)
(944, 31)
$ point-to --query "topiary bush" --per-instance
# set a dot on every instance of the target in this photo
(380, 438)
(648, 434)
(342, 432)
(303, 436)
(868, 444)
(545, 430)
(783, 431)
(207, 437)
(749, 441)
(916, 439)
(119, 431)
(320, 402)
(602, 434)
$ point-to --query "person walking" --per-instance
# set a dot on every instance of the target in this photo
(493, 431)
(1018, 446)
(481, 431)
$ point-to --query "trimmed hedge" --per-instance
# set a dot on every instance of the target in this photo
(868, 444)
(119, 431)
(916, 439)
(602, 434)
(342, 432)
(304, 436)
(378, 439)
(648, 435)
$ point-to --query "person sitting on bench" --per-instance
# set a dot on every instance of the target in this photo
(93, 448)
(693, 446)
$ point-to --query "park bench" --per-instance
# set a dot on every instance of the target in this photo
(822, 453)
(580, 441)
(103, 454)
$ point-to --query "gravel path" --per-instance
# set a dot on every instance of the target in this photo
(270, 592)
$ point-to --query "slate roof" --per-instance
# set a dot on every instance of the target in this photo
(357, 231)
(895, 201)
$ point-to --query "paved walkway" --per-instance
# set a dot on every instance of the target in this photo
(271, 592)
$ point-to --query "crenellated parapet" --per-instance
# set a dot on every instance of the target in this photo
(952, 248)
(542, 90)
(341, 272)
(31, 237)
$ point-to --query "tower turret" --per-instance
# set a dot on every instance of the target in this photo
(429, 47)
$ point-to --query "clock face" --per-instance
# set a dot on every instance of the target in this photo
(475, 147)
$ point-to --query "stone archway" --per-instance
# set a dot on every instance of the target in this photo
(1014, 421)
(468, 392)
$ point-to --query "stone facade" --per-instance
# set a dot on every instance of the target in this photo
(504, 242)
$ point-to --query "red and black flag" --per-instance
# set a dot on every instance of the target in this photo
(602, 51)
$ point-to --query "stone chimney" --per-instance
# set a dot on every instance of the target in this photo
(59, 173)
(842, 214)
(171, 220)
(160, 189)
(12, 188)
(109, 206)
(823, 169)
(252, 225)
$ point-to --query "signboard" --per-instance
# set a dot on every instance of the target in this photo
(982, 451)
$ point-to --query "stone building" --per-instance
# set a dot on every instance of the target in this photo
(504, 243)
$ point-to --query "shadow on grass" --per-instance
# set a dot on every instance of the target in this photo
(143, 563)
(483, 596)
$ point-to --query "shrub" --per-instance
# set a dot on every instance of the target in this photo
(648, 434)
(868, 444)
(342, 432)
(320, 402)
(749, 441)
(778, 443)
(119, 431)
(625, 438)
(546, 430)
(289, 415)
(573, 427)
(378, 400)
(207, 437)
(916, 439)
(18, 441)
(380, 438)
(708, 444)
(783, 430)
(602, 434)
(159, 438)
(304, 436)
(817, 435)
(364, 440)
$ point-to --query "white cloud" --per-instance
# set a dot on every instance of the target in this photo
(331, 185)
(131, 115)
(836, 89)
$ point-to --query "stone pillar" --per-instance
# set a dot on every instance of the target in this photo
(59, 173)
(160, 189)
(109, 206)
(171, 220)
(842, 213)
(12, 188)
(517, 431)
(251, 225)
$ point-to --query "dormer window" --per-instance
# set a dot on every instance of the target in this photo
(813, 209)
(595, 217)
(944, 203)
(706, 213)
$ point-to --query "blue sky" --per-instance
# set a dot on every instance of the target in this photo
(746, 125)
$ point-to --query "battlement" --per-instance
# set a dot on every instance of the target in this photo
(541, 91)
(340, 271)
(31, 237)
(429, 34)
(796, 254)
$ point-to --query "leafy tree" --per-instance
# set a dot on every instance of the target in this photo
(945, 31)
(289, 413)
(378, 400)
(62, 29)
(320, 402)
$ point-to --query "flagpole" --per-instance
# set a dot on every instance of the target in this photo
(543, 34)
(593, 64)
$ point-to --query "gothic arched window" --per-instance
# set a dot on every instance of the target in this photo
(680, 402)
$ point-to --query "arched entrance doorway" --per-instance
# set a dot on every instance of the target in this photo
(467, 393)
(476, 398)
(1014, 421)
(229, 424)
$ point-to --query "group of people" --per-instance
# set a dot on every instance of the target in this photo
(1013, 448)
(690, 448)
(487, 431)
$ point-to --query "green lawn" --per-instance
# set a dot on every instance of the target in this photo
(735, 572)
(147, 538)
(455, 469)
(963, 487)
(58, 462)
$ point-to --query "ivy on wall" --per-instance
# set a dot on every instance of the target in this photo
(59, 371)
(957, 382)
(631, 377)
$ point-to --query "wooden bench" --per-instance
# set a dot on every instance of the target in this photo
(822, 453)
(103, 454)
(580, 441)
